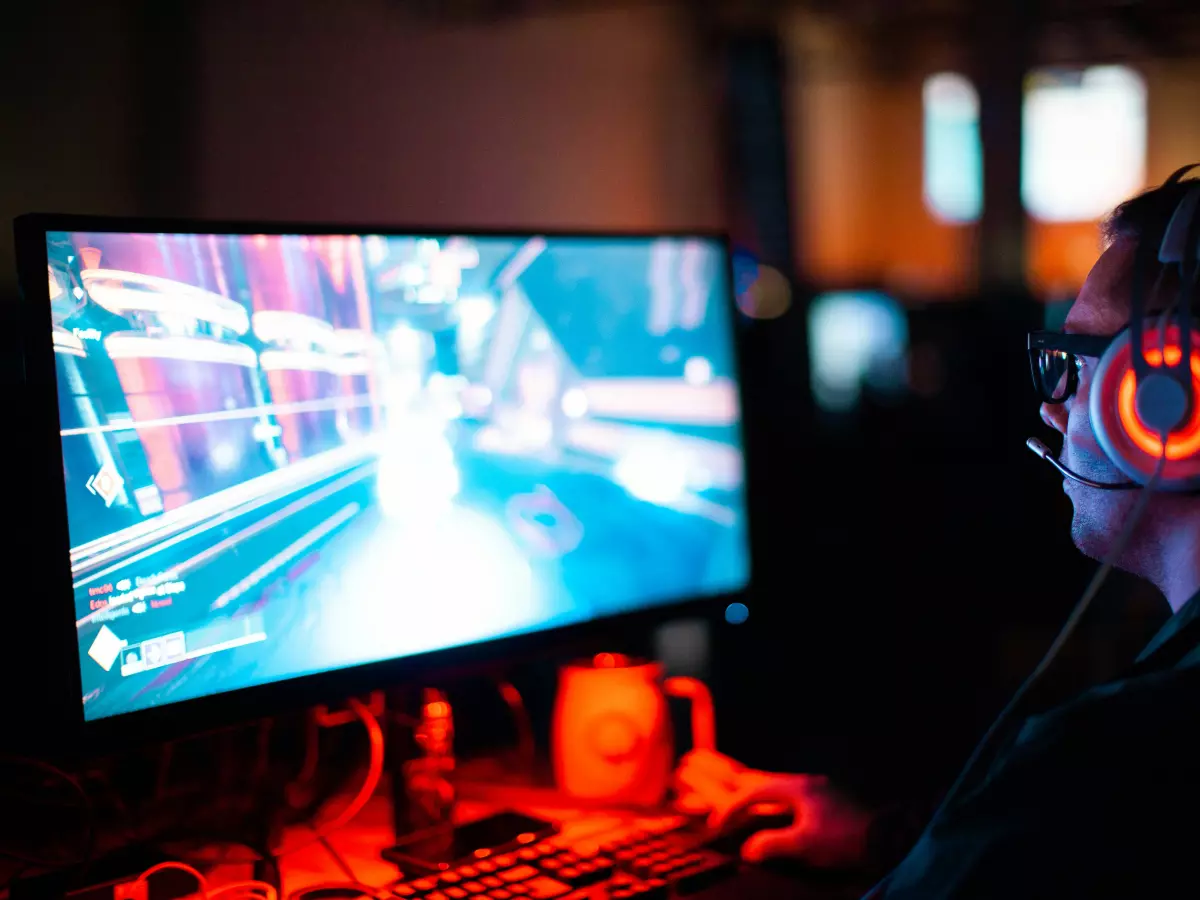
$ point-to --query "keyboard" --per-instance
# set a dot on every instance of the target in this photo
(651, 862)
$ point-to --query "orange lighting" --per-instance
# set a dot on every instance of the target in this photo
(1181, 443)
(483, 853)
(526, 838)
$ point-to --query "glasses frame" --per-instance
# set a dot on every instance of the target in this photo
(1090, 346)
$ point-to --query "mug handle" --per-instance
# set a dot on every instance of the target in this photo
(704, 718)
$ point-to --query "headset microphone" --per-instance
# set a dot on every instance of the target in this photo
(1044, 452)
(1145, 411)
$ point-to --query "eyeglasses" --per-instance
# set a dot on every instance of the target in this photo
(1054, 361)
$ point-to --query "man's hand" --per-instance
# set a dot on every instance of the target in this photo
(825, 831)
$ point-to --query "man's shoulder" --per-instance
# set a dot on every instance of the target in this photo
(1157, 700)
(1134, 730)
(1083, 803)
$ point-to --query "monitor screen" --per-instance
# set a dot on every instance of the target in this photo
(290, 454)
(856, 339)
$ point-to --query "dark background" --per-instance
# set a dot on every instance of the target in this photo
(914, 560)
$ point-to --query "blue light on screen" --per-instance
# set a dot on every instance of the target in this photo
(291, 454)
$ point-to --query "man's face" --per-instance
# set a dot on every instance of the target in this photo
(1102, 308)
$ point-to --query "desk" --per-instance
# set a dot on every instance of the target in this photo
(359, 843)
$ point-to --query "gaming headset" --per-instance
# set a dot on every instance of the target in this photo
(1145, 390)
(1146, 416)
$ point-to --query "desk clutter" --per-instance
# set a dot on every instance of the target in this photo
(652, 862)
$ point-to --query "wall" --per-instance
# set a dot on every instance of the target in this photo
(1062, 253)
(68, 126)
(858, 163)
(313, 110)
(858, 175)
(350, 111)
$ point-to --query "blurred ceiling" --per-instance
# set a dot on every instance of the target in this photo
(1063, 30)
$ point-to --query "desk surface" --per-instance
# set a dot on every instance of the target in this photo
(305, 863)
(360, 842)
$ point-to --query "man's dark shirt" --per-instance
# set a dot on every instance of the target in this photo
(1099, 797)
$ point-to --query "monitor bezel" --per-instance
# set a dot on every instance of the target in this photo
(60, 683)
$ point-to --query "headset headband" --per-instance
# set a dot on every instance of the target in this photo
(1180, 246)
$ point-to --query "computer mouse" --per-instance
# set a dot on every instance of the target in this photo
(741, 825)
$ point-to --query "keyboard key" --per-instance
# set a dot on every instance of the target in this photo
(545, 888)
(654, 889)
(504, 862)
(450, 878)
(404, 890)
(569, 874)
(491, 881)
(468, 871)
(425, 885)
(473, 887)
(499, 894)
(436, 895)
(486, 865)
(455, 893)
(529, 854)
(585, 849)
(621, 879)
(520, 889)
(520, 873)
(551, 864)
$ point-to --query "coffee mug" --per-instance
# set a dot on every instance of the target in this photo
(612, 740)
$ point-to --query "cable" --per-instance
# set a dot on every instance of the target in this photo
(338, 859)
(1093, 588)
(176, 866)
(365, 791)
(245, 890)
(526, 747)
(312, 750)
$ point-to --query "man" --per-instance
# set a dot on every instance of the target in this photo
(1098, 797)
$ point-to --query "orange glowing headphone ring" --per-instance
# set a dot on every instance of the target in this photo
(1143, 393)
(1124, 438)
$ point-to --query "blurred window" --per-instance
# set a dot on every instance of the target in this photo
(953, 155)
(1084, 144)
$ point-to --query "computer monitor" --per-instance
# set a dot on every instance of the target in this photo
(278, 455)
(856, 339)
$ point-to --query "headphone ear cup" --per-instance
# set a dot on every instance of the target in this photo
(1119, 407)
